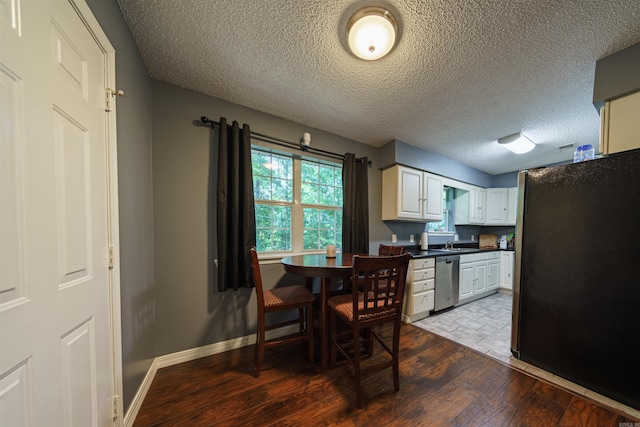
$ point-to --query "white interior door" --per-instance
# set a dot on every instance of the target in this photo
(56, 345)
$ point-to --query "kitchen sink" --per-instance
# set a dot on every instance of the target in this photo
(456, 250)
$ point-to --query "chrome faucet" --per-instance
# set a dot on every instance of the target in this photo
(448, 245)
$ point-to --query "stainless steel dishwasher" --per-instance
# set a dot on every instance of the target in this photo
(447, 289)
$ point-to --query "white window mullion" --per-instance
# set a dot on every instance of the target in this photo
(297, 223)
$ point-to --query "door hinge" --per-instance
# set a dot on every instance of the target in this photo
(110, 261)
(110, 94)
(116, 414)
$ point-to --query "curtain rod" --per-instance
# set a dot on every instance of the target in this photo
(285, 143)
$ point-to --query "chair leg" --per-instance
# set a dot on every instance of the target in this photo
(332, 337)
(309, 311)
(301, 319)
(368, 339)
(356, 367)
(301, 329)
(395, 355)
(259, 355)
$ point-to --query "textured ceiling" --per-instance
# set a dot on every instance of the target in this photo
(463, 74)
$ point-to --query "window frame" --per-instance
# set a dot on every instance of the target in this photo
(297, 207)
(447, 213)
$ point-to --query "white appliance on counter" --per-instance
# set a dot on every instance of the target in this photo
(424, 241)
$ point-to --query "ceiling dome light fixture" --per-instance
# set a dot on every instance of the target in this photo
(371, 32)
(517, 143)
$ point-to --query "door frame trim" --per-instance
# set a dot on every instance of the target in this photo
(113, 226)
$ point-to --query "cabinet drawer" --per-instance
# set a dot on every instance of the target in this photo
(423, 302)
(493, 255)
(482, 256)
(466, 258)
(423, 285)
(428, 273)
(421, 263)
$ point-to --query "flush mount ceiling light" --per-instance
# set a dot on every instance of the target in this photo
(517, 143)
(371, 33)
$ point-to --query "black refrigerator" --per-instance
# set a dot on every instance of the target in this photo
(576, 296)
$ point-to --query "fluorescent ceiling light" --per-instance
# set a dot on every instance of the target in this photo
(371, 33)
(517, 143)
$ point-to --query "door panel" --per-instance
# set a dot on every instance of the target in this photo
(73, 191)
(12, 209)
(56, 357)
(481, 277)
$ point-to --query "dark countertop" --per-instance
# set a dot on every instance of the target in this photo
(417, 253)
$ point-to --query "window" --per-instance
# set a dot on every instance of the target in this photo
(446, 225)
(298, 202)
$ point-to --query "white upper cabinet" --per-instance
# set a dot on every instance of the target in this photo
(496, 206)
(470, 206)
(432, 197)
(477, 205)
(493, 206)
(411, 195)
(401, 193)
(620, 124)
(512, 205)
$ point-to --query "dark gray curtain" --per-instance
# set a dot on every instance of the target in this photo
(355, 212)
(236, 221)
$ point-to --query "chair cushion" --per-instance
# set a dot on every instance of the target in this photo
(343, 305)
(287, 295)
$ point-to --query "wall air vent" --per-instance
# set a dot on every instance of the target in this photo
(568, 147)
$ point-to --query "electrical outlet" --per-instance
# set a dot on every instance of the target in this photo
(411, 238)
(394, 238)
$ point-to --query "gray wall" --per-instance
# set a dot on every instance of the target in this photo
(168, 290)
(135, 190)
(190, 312)
(397, 151)
(505, 180)
(617, 75)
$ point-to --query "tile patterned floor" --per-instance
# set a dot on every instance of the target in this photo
(483, 325)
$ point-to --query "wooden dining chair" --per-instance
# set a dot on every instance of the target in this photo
(380, 302)
(387, 250)
(383, 250)
(281, 299)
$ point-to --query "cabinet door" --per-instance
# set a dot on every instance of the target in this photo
(401, 194)
(480, 204)
(467, 279)
(481, 277)
(432, 198)
(476, 205)
(493, 274)
(506, 270)
(496, 206)
(512, 205)
(621, 130)
(410, 191)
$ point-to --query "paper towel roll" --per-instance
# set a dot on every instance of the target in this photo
(424, 241)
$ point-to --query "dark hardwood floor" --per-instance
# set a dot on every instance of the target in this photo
(441, 384)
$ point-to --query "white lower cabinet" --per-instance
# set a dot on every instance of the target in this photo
(419, 290)
(506, 270)
(479, 275)
(493, 271)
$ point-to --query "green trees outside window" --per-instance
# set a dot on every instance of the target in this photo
(298, 202)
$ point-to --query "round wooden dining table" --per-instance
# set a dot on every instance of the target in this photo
(319, 265)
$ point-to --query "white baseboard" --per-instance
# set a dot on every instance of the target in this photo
(193, 354)
(136, 403)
